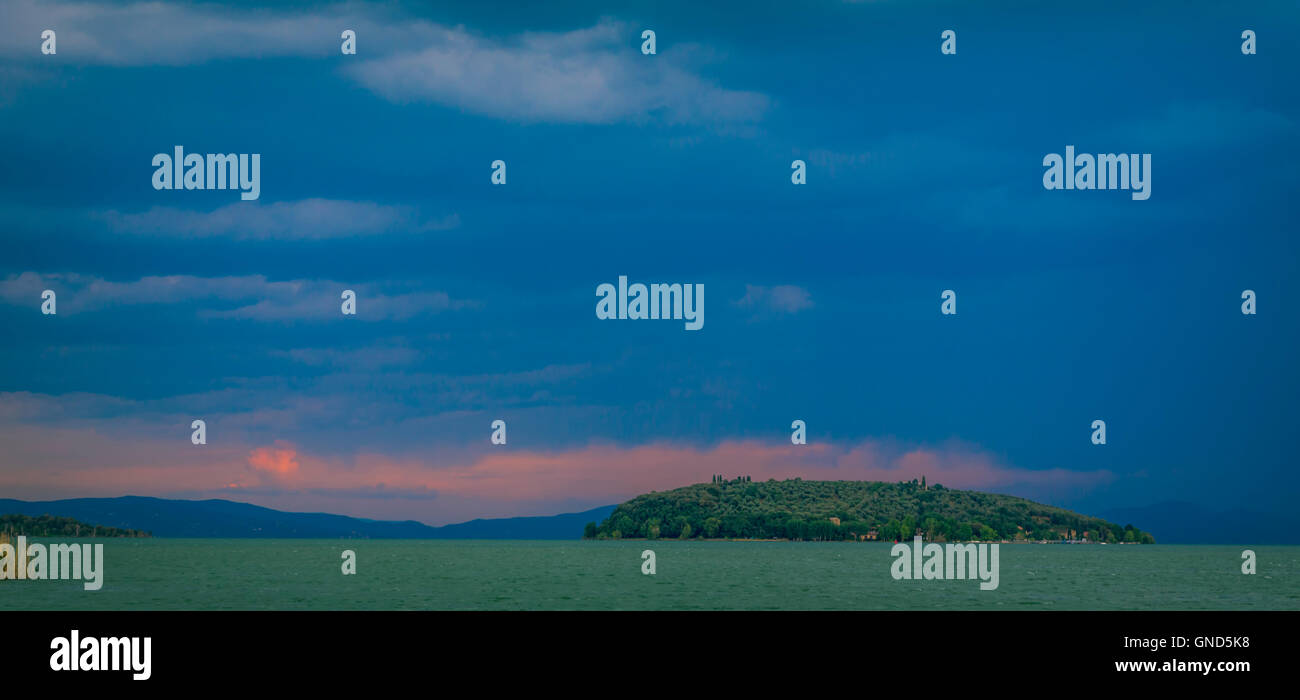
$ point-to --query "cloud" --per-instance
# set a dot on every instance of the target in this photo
(304, 219)
(247, 297)
(32, 407)
(282, 459)
(322, 301)
(368, 358)
(783, 299)
(903, 161)
(158, 33)
(614, 473)
(591, 75)
(376, 394)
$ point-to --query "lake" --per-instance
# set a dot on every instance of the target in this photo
(244, 574)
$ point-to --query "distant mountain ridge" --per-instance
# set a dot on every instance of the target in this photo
(1170, 522)
(230, 519)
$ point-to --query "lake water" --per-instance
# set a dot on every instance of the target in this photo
(169, 574)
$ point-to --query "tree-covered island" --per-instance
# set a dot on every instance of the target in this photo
(795, 509)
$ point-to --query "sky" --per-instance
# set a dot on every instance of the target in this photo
(476, 302)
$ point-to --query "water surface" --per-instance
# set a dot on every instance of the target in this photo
(242, 574)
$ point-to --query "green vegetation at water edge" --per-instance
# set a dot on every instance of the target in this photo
(53, 526)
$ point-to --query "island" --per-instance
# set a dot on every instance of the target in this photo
(795, 509)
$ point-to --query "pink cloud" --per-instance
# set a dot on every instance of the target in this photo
(613, 472)
(65, 462)
(281, 459)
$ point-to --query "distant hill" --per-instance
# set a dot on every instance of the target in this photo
(1176, 522)
(221, 518)
(839, 510)
(567, 526)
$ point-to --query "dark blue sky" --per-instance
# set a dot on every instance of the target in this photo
(477, 301)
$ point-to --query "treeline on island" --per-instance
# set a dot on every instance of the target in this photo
(54, 526)
(795, 509)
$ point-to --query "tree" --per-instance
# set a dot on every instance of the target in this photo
(931, 527)
(589, 531)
